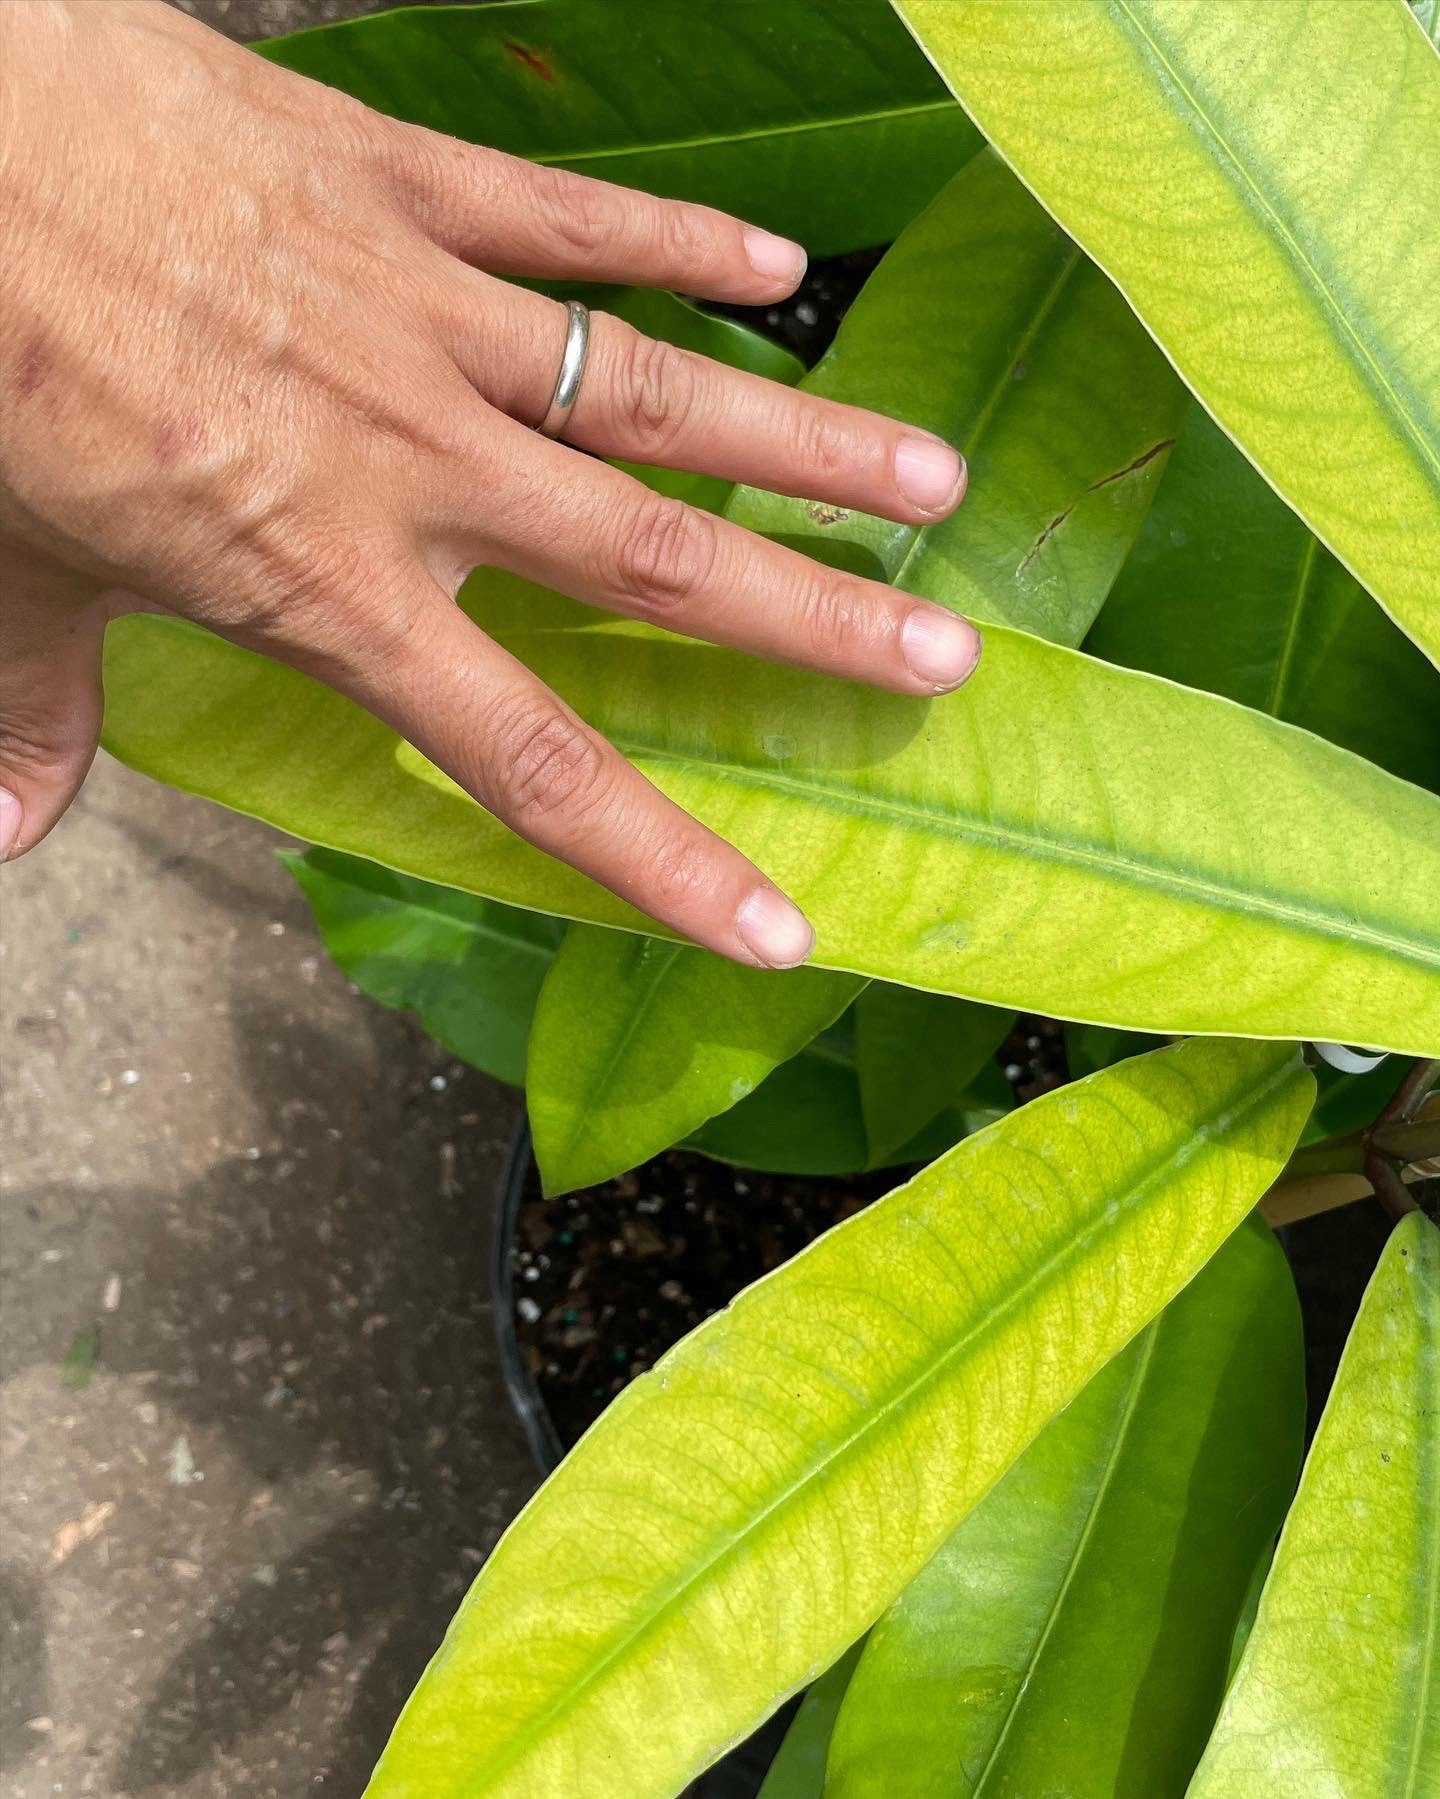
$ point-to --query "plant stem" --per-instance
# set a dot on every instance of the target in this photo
(1415, 1141)
(1364, 1164)
(1412, 1092)
(1384, 1177)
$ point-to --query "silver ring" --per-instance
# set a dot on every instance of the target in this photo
(572, 370)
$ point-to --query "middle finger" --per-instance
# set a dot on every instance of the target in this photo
(601, 536)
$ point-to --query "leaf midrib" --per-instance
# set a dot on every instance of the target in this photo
(1120, 1436)
(664, 956)
(472, 927)
(1310, 557)
(766, 133)
(1259, 203)
(1196, 888)
(1149, 1173)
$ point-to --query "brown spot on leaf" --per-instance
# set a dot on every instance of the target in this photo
(826, 515)
(530, 59)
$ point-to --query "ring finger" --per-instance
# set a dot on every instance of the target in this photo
(647, 401)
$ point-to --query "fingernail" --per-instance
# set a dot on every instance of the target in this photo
(928, 472)
(776, 258)
(773, 929)
(11, 814)
(942, 650)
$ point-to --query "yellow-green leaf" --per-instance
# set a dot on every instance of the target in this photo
(636, 1042)
(1261, 181)
(1060, 836)
(1073, 1635)
(1338, 1691)
(742, 1512)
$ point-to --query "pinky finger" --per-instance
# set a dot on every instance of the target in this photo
(515, 746)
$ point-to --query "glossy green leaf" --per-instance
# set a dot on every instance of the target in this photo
(798, 1770)
(624, 1021)
(680, 1573)
(808, 1117)
(470, 968)
(821, 122)
(803, 1118)
(915, 1054)
(1073, 1635)
(1246, 1621)
(1260, 181)
(986, 325)
(1236, 874)
(1227, 590)
(1338, 1691)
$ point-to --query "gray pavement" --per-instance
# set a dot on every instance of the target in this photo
(253, 1442)
(252, 1209)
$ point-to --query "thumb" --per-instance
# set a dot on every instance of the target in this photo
(50, 706)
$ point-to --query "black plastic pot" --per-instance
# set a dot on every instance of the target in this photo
(520, 1383)
(741, 1773)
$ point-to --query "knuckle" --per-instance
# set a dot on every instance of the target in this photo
(558, 772)
(834, 616)
(292, 592)
(411, 157)
(667, 552)
(824, 446)
(679, 872)
(683, 236)
(34, 743)
(576, 212)
(654, 390)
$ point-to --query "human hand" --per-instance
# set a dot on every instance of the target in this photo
(256, 369)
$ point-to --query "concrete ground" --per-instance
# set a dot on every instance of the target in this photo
(259, 1204)
(253, 1442)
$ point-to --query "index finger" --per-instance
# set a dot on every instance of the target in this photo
(516, 747)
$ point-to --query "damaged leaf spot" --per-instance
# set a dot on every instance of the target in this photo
(1119, 474)
(530, 59)
(1045, 536)
(1149, 455)
(826, 515)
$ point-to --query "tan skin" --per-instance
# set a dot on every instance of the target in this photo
(256, 369)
